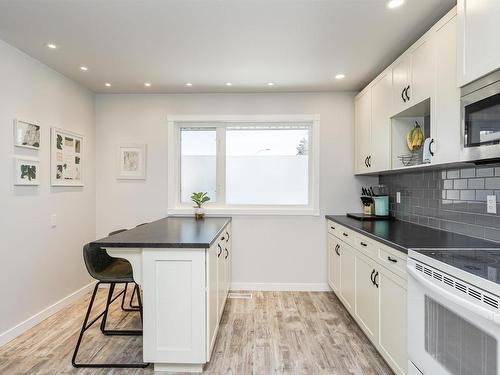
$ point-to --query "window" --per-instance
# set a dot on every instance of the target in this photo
(253, 165)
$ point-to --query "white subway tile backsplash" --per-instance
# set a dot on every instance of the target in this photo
(476, 183)
(484, 172)
(459, 184)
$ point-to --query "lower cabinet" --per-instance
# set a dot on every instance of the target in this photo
(373, 291)
(392, 321)
(218, 259)
(367, 296)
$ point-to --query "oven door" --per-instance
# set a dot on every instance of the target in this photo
(480, 123)
(449, 333)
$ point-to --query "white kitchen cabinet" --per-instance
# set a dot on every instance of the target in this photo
(347, 276)
(380, 150)
(413, 76)
(367, 300)
(400, 83)
(212, 298)
(478, 47)
(333, 263)
(373, 290)
(221, 278)
(362, 118)
(446, 105)
(392, 320)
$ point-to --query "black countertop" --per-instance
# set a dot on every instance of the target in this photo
(402, 235)
(170, 232)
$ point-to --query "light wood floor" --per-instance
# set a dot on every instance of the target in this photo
(273, 333)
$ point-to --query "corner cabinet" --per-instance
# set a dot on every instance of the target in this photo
(370, 280)
(478, 31)
(421, 84)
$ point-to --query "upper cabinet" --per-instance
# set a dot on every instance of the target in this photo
(478, 46)
(410, 114)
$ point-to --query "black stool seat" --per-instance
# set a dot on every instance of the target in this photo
(108, 270)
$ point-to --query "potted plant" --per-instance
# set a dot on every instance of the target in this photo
(198, 199)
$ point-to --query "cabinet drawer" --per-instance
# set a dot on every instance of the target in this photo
(333, 228)
(395, 263)
(364, 245)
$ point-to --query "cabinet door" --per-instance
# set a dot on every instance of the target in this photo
(228, 259)
(392, 320)
(334, 263)
(366, 296)
(347, 276)
(381, 123)
(422, 72)
(221, 275)
(212, 299)
(362, 108)
(446, 125)
(479, 28)
(400, 75)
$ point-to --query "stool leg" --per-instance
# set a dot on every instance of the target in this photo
(116, 332)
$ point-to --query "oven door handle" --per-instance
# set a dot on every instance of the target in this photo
(486, 314)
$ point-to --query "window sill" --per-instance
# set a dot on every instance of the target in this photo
(247, 211)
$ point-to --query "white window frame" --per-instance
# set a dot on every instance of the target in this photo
(175, 207)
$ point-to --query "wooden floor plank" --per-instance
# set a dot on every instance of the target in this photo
(292, 333)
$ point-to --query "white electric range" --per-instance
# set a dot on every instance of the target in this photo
(454, 311)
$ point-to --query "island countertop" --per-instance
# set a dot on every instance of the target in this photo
(169, 232)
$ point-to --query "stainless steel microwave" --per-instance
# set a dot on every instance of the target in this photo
(480, 119)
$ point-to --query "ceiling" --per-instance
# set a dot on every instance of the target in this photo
(300, 45)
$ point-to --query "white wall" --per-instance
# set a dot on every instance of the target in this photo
(40, 265)
(267, 250)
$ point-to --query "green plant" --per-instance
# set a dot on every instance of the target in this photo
(199, 198)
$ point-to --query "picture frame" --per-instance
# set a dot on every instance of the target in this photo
(27, 134)
(26, 171)
(131, 161)
(67, 158)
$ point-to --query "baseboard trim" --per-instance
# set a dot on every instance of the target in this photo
(22, 327)
(282, 287)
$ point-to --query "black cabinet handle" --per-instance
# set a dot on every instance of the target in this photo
(406, 93)
(345, 234)
(366, 162)
(227, 253)
(337, 248)
(392, 259)
(370, 161)
(375, 279)
(403, 95)
(227, 236)
(220, 251)
(332, 228)
(371, 277)
(430, 149)
(363, 244)
(222, 238)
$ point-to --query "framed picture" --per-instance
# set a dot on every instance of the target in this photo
(26, 134)
(67, 157)
(131, 162)
(26, 171)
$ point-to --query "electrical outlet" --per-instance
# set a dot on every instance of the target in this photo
(398, 197)
(491, 204)
(53, 220)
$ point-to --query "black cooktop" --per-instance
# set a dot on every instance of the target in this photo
(483, 263)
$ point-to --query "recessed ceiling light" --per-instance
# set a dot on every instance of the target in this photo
(229, 84)
(51, 46)
(84, 68)
(147, 84)
(270, 83)
(340, 76)
(189, 84)
(391, 4)
(107, 84)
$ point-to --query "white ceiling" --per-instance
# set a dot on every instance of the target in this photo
(298, 44)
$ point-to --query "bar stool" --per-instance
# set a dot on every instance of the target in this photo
(112, 271)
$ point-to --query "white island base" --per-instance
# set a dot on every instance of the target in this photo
(184, 293)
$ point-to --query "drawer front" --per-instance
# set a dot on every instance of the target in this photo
(366, 246)
(392, 261)
(333, 228)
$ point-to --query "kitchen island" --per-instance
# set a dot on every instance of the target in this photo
(184, 268)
